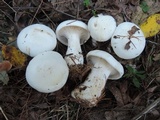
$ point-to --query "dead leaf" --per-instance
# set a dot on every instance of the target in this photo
(101, 3)
(156, 57)
(5, 66)
(12, 54)
(124, 88)
(135, 2)
(133, 30)
(127, 46)
(151, 26)
(152, 89)
(96, 115)
(139, 16)
(137, 100)
(117, 94)
(4, 77)
(120, 113)
(158, 76)
(120, 92)
(119, 19)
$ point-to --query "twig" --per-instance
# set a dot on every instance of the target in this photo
(153, 42)
(5, 33)
(78, 9)
(49, 18)
(64, 13)
(9, 6)
(146, 110)
(8, 16)
(77, 112)
(61, 2)
(67, 111)
(37, 11)
(3, 113)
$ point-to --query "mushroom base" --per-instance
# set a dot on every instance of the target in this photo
(90, 103)
(90, 92)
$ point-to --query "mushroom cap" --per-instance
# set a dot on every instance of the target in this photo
(72, 26)
(36, 38)
(99, 55)
(101, 27)
(126, 46)
(47, 72)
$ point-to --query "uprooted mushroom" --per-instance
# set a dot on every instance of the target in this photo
(104, 67)
(73, 33)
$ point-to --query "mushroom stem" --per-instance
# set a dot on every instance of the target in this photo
(94, 42)
(91, 91)
(74, 52)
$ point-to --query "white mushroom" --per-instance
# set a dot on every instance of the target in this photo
(35, 39)
(73, 33)
(47, 72)
(128, 41)
(104, 67)
(101, 27)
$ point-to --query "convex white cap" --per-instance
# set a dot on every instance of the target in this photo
(128, 40)
(101, 27)
(35, 39)
(47, 72)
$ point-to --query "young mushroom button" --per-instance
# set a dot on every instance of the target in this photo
(128, 40)
(35, 39)
(73, 33)
(101, 27)
(47, 72)
(104, 67)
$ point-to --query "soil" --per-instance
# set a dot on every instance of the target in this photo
(122, 99)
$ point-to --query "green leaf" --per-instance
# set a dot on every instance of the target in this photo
(140, 72)
(141, 76)
(86, 3)
(94, 13)
(136, 82)
(127, 75)
(4, 77)
(131, 70)
(144, 6)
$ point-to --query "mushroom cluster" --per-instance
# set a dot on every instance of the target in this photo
(127, 41)
(43, 73)
(48, 71)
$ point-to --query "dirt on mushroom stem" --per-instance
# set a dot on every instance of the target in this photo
(77, 74)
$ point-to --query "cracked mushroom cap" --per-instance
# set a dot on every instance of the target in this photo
(108, 60)
(101, 27)
(35, 39)
(47, 72)
(67, 27)
(128, 40)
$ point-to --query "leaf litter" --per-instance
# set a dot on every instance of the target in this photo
(122, 99)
